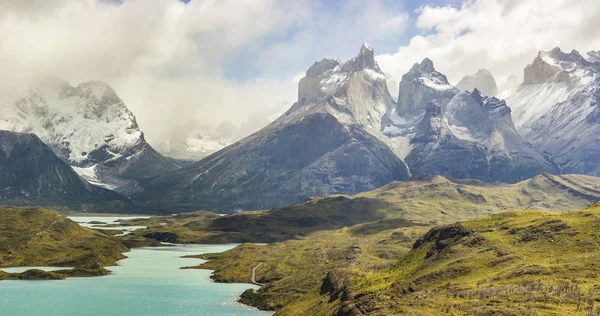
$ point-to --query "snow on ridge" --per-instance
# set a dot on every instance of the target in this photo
(435, 83)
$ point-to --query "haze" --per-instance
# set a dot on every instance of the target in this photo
(203, 63)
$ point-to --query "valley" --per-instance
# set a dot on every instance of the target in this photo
(264, 179)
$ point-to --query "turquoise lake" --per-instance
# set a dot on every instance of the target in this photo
(149, 282)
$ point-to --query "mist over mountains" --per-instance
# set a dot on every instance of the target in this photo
(345, 134)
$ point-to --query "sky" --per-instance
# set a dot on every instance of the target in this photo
(201, 62)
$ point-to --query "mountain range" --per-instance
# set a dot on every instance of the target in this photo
(328, 142)
(557, 108)
(345, 134)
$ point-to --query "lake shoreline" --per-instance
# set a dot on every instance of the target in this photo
(152, 268)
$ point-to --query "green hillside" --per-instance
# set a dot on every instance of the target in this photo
(378, 229)
(41, 237)
(514, 263)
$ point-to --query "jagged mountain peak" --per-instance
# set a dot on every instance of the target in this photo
(559, 66)
(555, 108)
(557, 54)
(477, 96)
(352, 91)
(425, 67)
(322, 66)
(425, 73)
(366, 57)
(324, 78)
(420, 85)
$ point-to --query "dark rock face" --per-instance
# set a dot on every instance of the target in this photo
(33, 175)
(442, 238)
(163, 237)
(313, 156)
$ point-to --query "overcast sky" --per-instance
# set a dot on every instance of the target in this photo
(174, 62)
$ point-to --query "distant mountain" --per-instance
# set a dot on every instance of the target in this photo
(509, 86)
(557, 108)
(482, 81)
(31, 174)
(89, 127)
(458, 134)
(330, 141)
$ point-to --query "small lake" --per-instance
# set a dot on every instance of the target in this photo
(93, 222)
(149, 282)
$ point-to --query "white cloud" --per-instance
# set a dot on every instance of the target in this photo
(171, 61)
(502, 36)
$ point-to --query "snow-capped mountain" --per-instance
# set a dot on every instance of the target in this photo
(458, 134)
(482, 80)
(557, 108)
(345, 134)
(90, 128)
(330, 141)
(31, 174)
(421, 85)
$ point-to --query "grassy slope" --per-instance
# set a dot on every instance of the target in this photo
(41, 237)
(424, 200)
(514, 263)
(296, 267)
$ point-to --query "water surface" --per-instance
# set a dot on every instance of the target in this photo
(149, 282)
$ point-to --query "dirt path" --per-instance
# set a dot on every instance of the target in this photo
(254, 275)
(45, 231)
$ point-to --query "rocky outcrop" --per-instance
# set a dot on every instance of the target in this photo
(482, 81)
(441, 238)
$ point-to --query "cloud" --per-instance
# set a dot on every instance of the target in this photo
(172, 62)
(502, 36)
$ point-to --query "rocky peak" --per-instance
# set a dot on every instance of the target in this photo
(366, 57)
(539, 71)
(355, 90)
(421, 85)
(327, 76)
(424, 69)
(560, 66)
(320, 67)
(496, 106)
(482, 80)
(477, 96)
